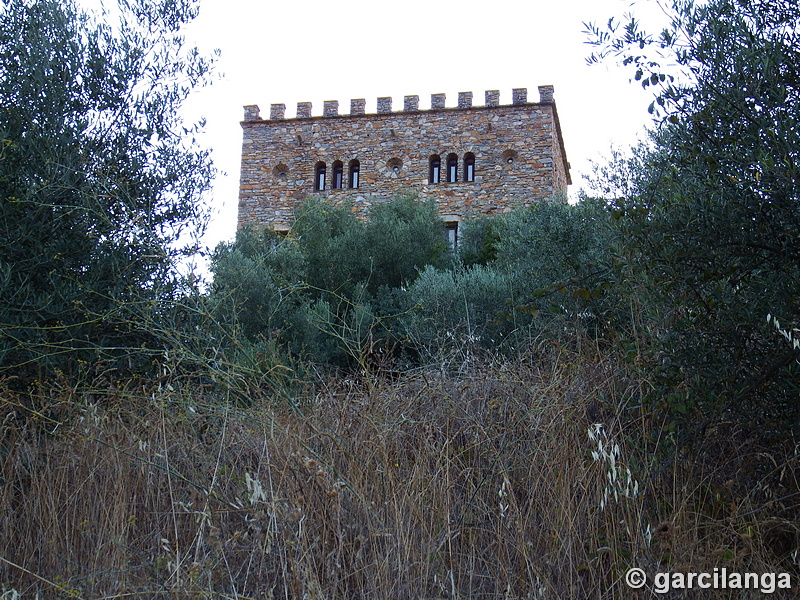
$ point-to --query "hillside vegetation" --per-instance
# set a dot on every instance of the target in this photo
(358, 410)
(540, 477)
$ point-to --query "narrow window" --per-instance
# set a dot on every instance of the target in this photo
(451, 227)
(355, 167)
(469, 167)
(319, 176)
(435, 166)
(338, 175)
(452, 168)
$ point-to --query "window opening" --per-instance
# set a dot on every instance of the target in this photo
(434, 169)
(355, 167)
(469, 167)
(452, 168)
(451, 228)
(280, 171)
(338, 175)
(319, 176)
(509, 156)
(395, 164)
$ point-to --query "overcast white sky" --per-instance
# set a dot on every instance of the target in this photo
(314, 50)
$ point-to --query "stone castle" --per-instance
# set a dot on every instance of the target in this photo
(473, 160)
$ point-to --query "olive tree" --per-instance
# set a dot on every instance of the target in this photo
(711, 208)
(101, 185)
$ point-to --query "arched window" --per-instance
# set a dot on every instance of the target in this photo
(355, 167)
(338, 175)
(319, 176)
(434, 169)
(452, 168)
(469, 167)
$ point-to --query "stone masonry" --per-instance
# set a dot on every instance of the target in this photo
(473, 160)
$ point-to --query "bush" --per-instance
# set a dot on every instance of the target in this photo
(400, 237)
(339, 289)
(457, 308)
(557, 253)
(478, 240)
(335, 285)
(258, 287)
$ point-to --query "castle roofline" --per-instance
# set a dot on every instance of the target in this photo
(252, 112)
(424, 111)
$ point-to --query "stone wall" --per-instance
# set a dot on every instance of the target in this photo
(517, 149)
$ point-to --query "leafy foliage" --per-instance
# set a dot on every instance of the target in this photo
(400, 237)
(558, 254)
(98, 190)
(340, 289)
(530, 271)
(711, 208)
(257, 284)
(460, 307)
(335, 283)
(478, 240)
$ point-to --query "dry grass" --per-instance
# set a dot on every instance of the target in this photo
(480, 484)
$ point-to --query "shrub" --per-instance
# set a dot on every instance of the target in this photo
(400, 237)
(257, 287)
(454, 308)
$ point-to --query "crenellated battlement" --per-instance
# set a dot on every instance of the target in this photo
(472, 159)
(519, 96)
